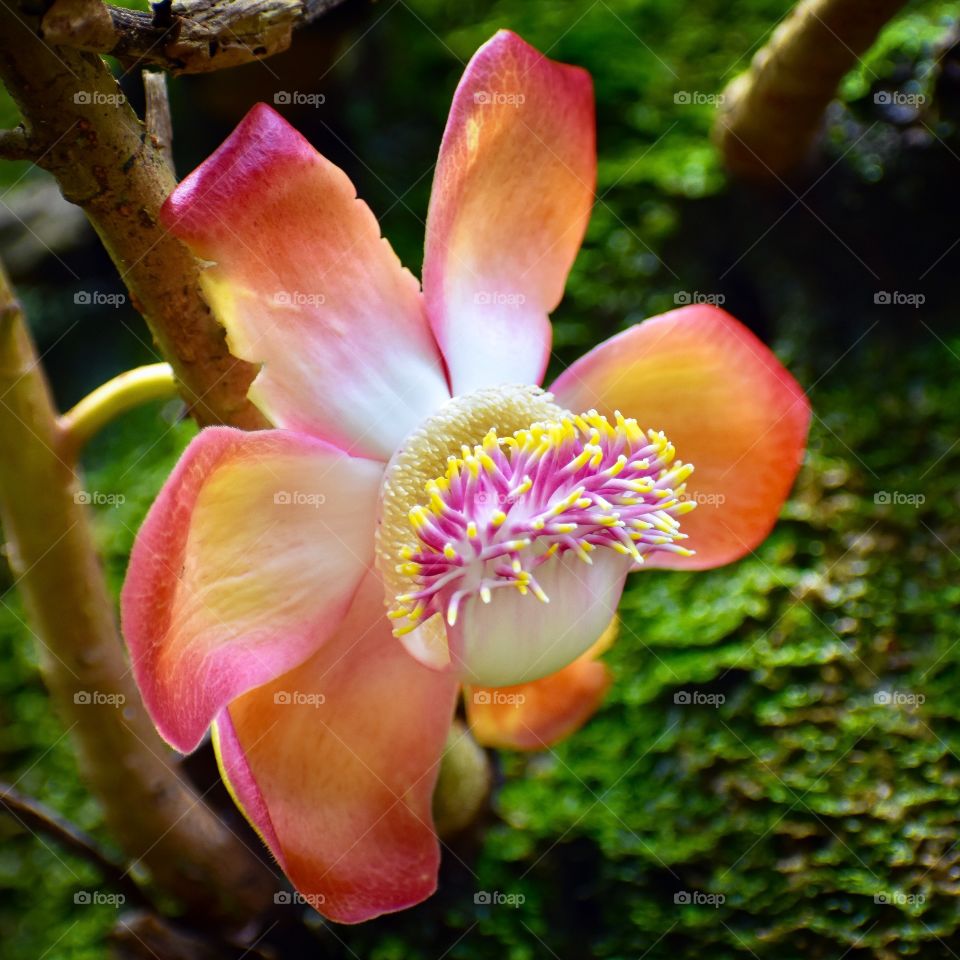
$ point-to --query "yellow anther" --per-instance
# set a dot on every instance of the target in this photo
(497, 518)
(449, 552)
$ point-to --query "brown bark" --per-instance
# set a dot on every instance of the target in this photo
(186, 36)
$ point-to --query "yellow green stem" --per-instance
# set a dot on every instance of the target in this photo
(124, 392)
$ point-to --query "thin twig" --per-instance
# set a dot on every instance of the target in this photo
(37, 818)
(156, 114)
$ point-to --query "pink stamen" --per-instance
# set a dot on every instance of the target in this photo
(506, 506)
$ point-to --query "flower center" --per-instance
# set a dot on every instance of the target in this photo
(462, 517)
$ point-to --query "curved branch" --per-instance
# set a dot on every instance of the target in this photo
(125, 392)
(772, 113)
(186, 36)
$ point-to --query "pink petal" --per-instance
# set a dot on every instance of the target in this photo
(304, 284)
(246, 563)
(728, 405)
(335, 763)
(511, 198)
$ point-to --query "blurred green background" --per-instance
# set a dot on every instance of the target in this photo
(812, 813)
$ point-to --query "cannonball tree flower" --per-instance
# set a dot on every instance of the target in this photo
(423, 517)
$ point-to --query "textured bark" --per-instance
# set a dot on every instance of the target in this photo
(772, 114)
(81, 129)
(186, 36)
(153, 814)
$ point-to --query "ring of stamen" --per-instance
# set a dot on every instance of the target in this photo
(506, 505)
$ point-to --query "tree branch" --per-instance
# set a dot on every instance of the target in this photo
(83, 131)
(186, 36)
(37, 818)
(772, 114)
(155, 816)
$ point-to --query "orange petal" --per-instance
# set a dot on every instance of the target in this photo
(533, 716)
(725, 401)
(335, 763)
(511, 198)
(304, 284)
(246, 562)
